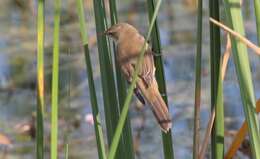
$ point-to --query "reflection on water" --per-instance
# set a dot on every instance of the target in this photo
(177, 21)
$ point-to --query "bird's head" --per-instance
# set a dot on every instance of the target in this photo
(119, 30)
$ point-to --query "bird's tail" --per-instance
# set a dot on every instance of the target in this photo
(157, 103)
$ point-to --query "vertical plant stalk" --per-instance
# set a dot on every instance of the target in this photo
(213, 113)
(257, 15)
(196, 131)
(240, 54)
(121, 92)
(107, 76)
(40, 81)
(92, 90)
(55, 81)
(217, 144)
(124, 112)
(158, 61)
(67, 151)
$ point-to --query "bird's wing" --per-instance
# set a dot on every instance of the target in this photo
(128, 59)
(147, 72)
(128, 71)
(147, 85)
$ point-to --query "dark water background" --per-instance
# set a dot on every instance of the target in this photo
(177, 23)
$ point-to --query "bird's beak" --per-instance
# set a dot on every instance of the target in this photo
(108, 32)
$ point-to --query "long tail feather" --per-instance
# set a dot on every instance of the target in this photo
(157, 103)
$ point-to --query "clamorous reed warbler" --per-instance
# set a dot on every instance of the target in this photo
(129, 44)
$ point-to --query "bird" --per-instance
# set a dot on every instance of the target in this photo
(129, 43)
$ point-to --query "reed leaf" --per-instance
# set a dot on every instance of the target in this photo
(240, 54)
(124, 112)
(159, 73)
(40, 81)
(92, 90)
(217, 144)
(55, 81)
(197, 100)
(121, 91)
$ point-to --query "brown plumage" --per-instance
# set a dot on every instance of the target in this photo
(129, 44)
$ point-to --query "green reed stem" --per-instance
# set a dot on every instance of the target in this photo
(92, 90)
(107, 76)
(121, 92)
(257, 15)
(124, 113)
(67, 151)
(240, 54)
(40, 81)
(55, 81)
(217, 144)
(159, 73)
(196, 131)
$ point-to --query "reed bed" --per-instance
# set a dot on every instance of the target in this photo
(116, 104)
